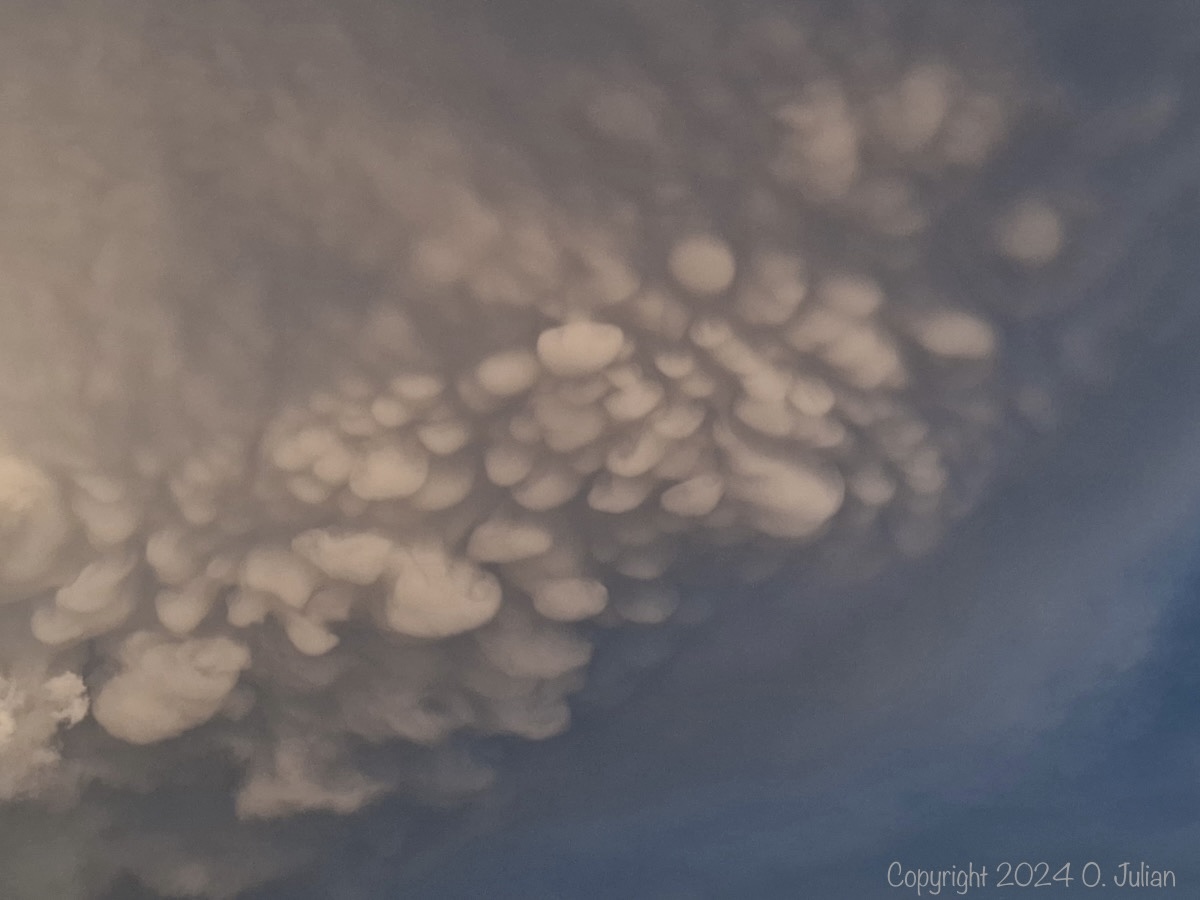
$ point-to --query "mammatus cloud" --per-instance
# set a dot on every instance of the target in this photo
(350, 391)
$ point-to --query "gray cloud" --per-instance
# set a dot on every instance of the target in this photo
(382, 387)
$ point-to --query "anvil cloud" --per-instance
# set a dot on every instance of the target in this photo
(369, 375)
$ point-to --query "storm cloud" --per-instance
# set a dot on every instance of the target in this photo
(383, 388)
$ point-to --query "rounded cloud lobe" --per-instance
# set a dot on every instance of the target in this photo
(344, 408)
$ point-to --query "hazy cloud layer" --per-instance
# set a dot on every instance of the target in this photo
(382, 388)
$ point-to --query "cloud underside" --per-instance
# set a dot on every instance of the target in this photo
(346, 408)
